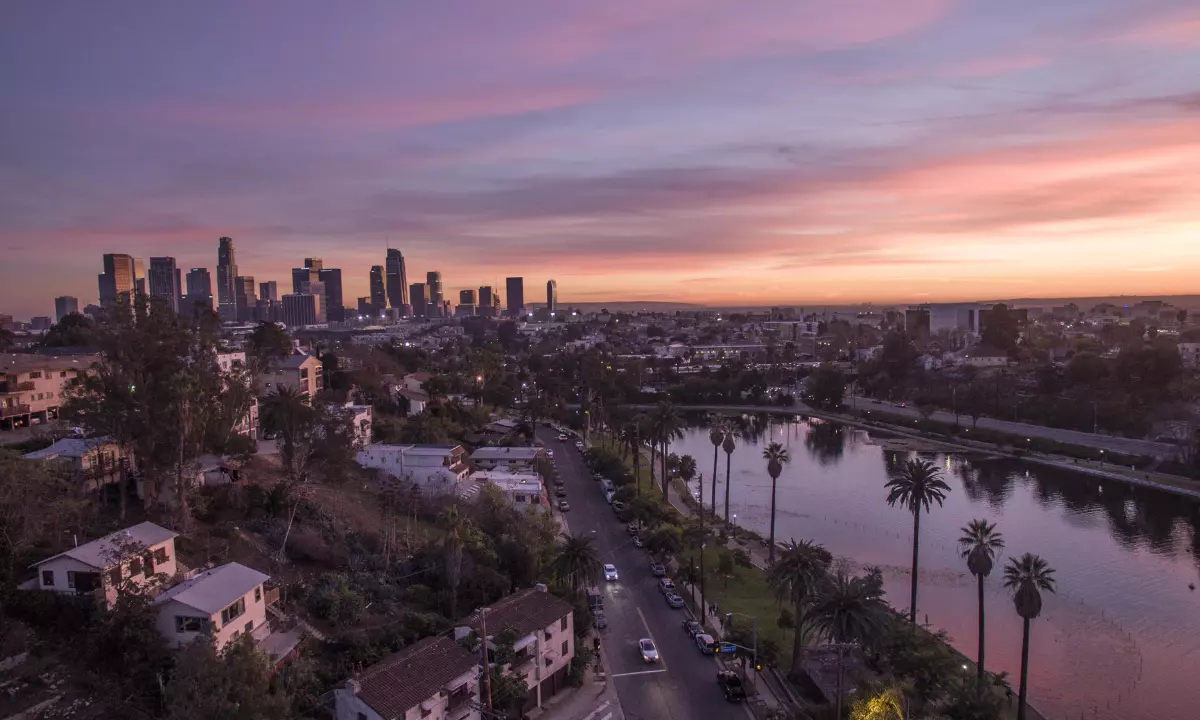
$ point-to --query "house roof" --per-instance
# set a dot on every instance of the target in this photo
(68, 447)
(295, 361)
(115, 546)
(214, 590)
(525, 612)
(418, 376)
(418, 395)
(400, 682)
(506, 453)
(25, 362)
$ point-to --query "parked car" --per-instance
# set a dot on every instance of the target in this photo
(675, 601)
(578, 445)
(599, 620)
(649, 652)
(560, 492)
(610, 572)
(704, 643)
(731, 684)
(666, 586)
(564, 506)
(632, 528)
(657, 569)
(692, 628)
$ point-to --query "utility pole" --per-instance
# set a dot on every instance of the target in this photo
(487, 668)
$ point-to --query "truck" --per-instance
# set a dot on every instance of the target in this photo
(731, 684)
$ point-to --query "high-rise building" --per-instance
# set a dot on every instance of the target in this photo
(433, 289)
(199, 289)
(64, 305)
(117, 280)
(269, 290)
(331, 278)
(316, 288)
(303, 275)
(551, 296)
(366, 308)
(515, 288)
(227, 273)
(416, 293)
(299, 309)
(314, 263)
(397, 279)
(485, 296)
(378, 296)
(139, 276)
(163, 281)
(244, 298)
(40, 322)
(466, 297)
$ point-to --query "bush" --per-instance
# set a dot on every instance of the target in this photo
(306, 544)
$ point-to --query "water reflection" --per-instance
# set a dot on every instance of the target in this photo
(826, 442)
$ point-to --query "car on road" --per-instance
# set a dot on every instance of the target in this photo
(675, 601)
(704, 643)
(692, 628)
(564, 506)
(563, 437)
(649, 652)
(549, 453)
(595, 599)
(560, 492)
(666, 586)
(610, 572)
(901, 405)
(657, 569)
(599, 620)
(731, 684)
(578, 445)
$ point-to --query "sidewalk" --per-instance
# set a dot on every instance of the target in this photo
(595, 700)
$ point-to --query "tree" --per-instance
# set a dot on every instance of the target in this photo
(266, 345)
(233, 684)
(668, 426)
(577, 564)
(725, 566)
(796, 578)
(848, 610)
(897, 356)
(36, 507)
(1026, 578)
(776, 457)
(716, 435)
(452, 545)
(978, 545)
(915, 488)
(728, 445)
(1087, 369)
(74, 330)
(1000, 329)
(973, 401)
(887, 704)
(825, 387)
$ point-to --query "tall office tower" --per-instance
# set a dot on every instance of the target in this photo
(199, 289)
(331, 278)
(485, 296)
(314, 263)
(299, 309)
(433, 288)
(515, 287)
(244, 298)
(416, 293)
(303, 275)
(139, 276)
(226, 277)
(397, 279)
(366, 309)
(466, 304)
(64, 305)
(269, 290)
(551, 295)
(163, 281)
(378, 293)
(117, 280)
(316, 288)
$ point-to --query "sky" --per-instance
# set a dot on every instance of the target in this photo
(707, 151)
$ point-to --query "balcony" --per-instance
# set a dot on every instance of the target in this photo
(13, 410)
(26, 386)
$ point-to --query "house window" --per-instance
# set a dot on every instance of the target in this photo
(47, 577)
(565, 649)
(258, 594)
(185, 624)
(562, 624)
(233, 612)
(35, 374)
(115, 575)
(519, 498)
(160, 555)
(135, 566)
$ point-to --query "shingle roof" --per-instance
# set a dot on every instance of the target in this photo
(295, 361)
(214, 590)
(525, 612)
(516, 454)
(116, 546)
(23, 362)
(413, 675)
(68, 447)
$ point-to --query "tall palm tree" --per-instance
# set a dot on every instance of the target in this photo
(716, 436)
(848, 610)
(796, 577)
(978, 545)
(577, 565)
(728, 445)
(1026, 578)
(915, 488)
(453, 547)
(286, 413)
(776, 456)
(668, 426)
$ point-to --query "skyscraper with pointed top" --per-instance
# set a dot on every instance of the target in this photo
(227, 272)
(397, 279)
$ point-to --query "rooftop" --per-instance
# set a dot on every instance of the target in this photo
(525, 612)
(400, 682)
(23, 362)
(68, 447)
(111, 548)
(506, 453)
(214, 590)
(294, 361)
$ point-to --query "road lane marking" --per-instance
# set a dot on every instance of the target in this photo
(650, 635)
(607, 717)
(638, 672)
(597, 711)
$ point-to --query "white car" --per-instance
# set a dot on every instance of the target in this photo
(610, 572)
(649, 652)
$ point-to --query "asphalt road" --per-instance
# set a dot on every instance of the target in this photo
(683, 685)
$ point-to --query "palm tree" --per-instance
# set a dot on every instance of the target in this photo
(1026, 578)
(776, 456)
(796, 577)
(978, 545)
(453, 547)
(716, 436)
(285, 413)
(668, 426)
(576, 564)
(728, 445)
(848, 610)
(916, 487)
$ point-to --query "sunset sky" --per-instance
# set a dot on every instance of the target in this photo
(711, 151)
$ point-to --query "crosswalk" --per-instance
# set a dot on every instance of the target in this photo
(597, 713)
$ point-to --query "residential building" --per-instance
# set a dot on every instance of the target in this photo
(522, 488)
(164, 281)
(396, 279)
(94, 462)
(335, 306)
(229, 362)
(224, 602)
(433, 293)
(300, 309)
(33, 387)
(269, 290)
(984, 356)
(244, 298)
(416, 293)
(510, 458)
(118, 280)
(298, 372)
(361, 417)
(436, 469)
(515, 288)
(227, 273)
(433, 679)
(64, 305)
(1190, 353)
(545, 646)
(378, 296)
(199, 289)
(143, 555)
(551, 296)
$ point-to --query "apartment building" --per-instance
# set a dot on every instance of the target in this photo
(436, 469)
(299, 372)
(33, 387)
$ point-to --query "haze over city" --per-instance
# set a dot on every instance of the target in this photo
(682, 150)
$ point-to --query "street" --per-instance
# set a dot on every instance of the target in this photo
(683, 684)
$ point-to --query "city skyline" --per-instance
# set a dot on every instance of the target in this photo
(915, 150)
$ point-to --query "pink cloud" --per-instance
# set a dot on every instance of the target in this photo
(999, 65)
(1178, 30)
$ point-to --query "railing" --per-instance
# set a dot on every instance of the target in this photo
(271, 596)
(12, 410)
(27, 385)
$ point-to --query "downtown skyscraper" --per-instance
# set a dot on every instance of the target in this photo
(199, 289)
(164, 281)
(118, 281)
(227, 273)
(378, 293)
(514, 287)
(551, 296)
(397, 279)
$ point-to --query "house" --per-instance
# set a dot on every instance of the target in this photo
(416, 381)
(362, 417)
(511, 458)
(33, 387)
(417, 399)
(143, 555)
(437, 469)
(545, 645)
(523, 489)
(230, 362)
(94, 461)
(226, 601)
(1190, 352)
(985, 356)
(297, 371)
(433, 679)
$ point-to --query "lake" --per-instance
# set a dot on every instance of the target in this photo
(1121, 638)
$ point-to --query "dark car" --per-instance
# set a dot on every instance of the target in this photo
(599, 620)
(658, 569)
(692, 628)
(675, 601)
(560, 492)
(731, 684)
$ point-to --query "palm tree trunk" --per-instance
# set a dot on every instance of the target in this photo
(662, 458)
(1024, 672)
(840, 681)
(771, 545)
(979, 663)
(714, 483)
(912, 610)
(728, 482)
(798, 641)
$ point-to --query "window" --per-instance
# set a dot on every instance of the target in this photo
(185, 624)
(47, 577)
(304, 372)
(562, 624)
(135, 566)
(71, 579)
(63, 374)
(519, 498)
(160, 555)
(35, 374)
(115, 575)
(565, 649)
(233, 612)
(258, 594)
(249, 627)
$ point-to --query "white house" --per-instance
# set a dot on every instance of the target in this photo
(362, 417)
(417, 399)
(523, 489)
(95, 461)
(436, 469)
(512, 458)
(416, 381)
(434, 679)
(143, 555)
(226, 601)
(985, 356)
